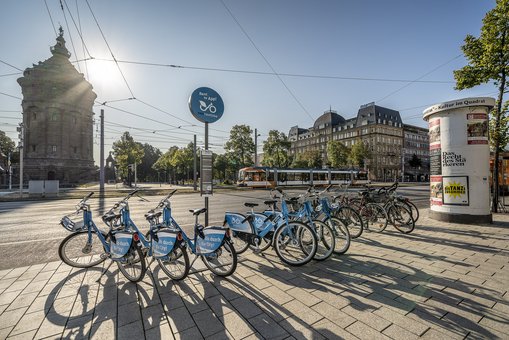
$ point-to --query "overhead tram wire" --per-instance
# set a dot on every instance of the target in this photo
(10, 74)
(83, 45)
(70, 35)
(14, 67)
(419, 78)
(109, 48)
(51, 19)
(296, 75)
(9, 95)
(267, 61)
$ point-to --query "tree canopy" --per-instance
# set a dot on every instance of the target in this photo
(337, 154)
(240, 147)
(7, 145)
(488, 60)
(359, 153)
(127, 151)
(276, 150)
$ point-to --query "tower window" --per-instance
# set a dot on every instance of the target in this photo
(54, 148)
(34, 148)
(54, 116)
(75, 149)
(34, 116)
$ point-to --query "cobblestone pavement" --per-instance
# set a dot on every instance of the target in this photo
(443, 281)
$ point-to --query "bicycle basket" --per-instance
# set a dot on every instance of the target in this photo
(72, 226)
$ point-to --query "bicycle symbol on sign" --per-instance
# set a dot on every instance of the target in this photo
(204, 107)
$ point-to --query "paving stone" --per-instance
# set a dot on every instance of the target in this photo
(191, 333)
(363, 331)
(22, 300)
(105, 310)
(194, 303)
(29, 322)
(333, 314)
(153, 316)
(219, 305)
(134, 330)
(236, 325)
(22, 336)
(103, 330)
(11, 318)
(128, 313)
(397, 332)
(246, 307)
(6, 298)
(52, 325)
(78, 328)
(180, 319)
(401, 320)
(162, 331)
(15, 273)
(267, 327)
(207, 322)
(277, 295)
(298, 330)
(367, 317)
(301, 311)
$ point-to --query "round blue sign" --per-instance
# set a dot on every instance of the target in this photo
(206, 105)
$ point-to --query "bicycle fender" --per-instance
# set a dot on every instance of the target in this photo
(214, 239)
(237, 222)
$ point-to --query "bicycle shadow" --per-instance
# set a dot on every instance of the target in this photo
(367, 283)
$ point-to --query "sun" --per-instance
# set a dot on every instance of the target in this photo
(102, 74)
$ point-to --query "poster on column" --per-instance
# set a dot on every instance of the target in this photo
(435, 147)
(455, 190)
(436, 192)
(477, 128)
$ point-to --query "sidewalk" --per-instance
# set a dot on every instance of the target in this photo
(443, 281)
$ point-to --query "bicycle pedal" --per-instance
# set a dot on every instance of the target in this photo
(104, 256)
(257, 251)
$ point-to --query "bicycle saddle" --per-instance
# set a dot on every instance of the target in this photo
(198, 211)
(151, 215)
(110, 217)
(270, 202)
(250, 205)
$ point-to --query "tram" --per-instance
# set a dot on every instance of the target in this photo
(264, 177)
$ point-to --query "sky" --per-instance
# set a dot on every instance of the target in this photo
(275, 63)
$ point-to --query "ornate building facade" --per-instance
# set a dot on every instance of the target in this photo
(380, 128)
(58, 119)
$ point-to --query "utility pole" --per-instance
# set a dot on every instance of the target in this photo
(21, 130)
(194, 164)
(135, 175)
(101, 153)
(9, 167)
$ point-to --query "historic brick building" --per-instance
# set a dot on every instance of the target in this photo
(378, 127)
(58, 119)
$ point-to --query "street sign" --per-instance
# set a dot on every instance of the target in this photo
(206, 173)
(206, 105)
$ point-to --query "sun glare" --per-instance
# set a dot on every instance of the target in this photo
(103, 74)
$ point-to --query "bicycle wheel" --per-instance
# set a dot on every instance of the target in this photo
(374, 216)
(413, 208)
(401, 218)
(223, 261)
(176, 266)
(76, 251)
(351, 219)
(326, 240)
(295, 243)
(341, 234)
(133, 265)
(238, 242)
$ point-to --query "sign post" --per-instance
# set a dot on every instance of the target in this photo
(207, 106)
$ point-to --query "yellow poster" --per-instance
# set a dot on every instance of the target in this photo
(455, 190)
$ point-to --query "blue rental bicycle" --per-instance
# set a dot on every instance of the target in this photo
(120, 244)
(212, 243)
(294, 242)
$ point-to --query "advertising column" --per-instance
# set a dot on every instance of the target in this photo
(459, 160)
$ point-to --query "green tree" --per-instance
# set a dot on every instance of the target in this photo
(6, 144)
(163, 163)
(276, 150)
(127, 151)
(308, 159)
(359, 152)
(182, 160)
(337, 154)
(151, 154)
(240, 147)
(488, 60)
(221, 166)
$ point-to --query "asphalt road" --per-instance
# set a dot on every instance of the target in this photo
(30, 230)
